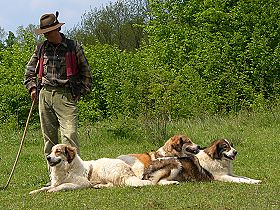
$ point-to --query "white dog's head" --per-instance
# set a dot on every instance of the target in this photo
(221, 149)
(61, 153)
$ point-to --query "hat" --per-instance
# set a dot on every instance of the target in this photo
(48, 22)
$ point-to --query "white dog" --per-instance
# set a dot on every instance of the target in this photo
(217, 159)
(69, 171)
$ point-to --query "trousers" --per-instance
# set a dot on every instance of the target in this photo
(58, 112)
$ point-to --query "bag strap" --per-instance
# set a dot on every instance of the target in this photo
(70, 58)
(40, 55)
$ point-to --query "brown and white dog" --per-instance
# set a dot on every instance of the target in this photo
(69, 171)
(212, 163)
(176, 146)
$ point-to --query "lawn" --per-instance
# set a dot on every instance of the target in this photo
(255, 136)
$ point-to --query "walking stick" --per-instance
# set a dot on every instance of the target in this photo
(21, 144)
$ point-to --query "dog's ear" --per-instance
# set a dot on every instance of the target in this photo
(210, 151)
(70, 153)
(178, 143)
(168, 145)
(219, 151)
(213, 150)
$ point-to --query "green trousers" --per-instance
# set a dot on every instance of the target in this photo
(58, 112)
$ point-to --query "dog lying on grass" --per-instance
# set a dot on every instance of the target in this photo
(69, 171)
(176, 146)
(212, 163)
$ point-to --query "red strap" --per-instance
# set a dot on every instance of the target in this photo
(70, 58)
(74, 64)
(68, 64)
(40, 75)
(71, 65)
(40, 55)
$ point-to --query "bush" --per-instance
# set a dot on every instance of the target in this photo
(201, 58)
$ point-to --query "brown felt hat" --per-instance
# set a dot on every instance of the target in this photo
(48, 22)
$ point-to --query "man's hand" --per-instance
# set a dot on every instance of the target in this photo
(33, 94)
(76, 98)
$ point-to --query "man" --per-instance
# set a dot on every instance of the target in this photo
(62, 79)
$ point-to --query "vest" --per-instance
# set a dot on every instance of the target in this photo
(71, 66)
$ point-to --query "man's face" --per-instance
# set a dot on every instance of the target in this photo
(50, 35)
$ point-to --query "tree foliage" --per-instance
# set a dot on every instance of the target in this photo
(117, 24)
(200, 57)
(233, 46)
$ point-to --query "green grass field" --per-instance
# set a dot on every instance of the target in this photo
(255, 136)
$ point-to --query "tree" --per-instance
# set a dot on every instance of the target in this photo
(2, 37)
(27, 37)
(233, 46)
(119, 24)
(11, 39)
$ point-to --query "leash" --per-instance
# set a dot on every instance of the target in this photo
(21, 144)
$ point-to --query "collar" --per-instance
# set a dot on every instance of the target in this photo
(63, 42)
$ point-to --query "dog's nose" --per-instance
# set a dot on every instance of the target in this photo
(197, 149)
(48, 158)
(235, 152)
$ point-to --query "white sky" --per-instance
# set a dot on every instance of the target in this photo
(15, 13)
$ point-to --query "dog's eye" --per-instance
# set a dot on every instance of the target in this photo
(58, 151)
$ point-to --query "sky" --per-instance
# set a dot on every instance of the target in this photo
(15, 13)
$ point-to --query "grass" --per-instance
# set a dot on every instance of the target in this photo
(255, 136)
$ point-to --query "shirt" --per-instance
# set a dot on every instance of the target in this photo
(54, 65)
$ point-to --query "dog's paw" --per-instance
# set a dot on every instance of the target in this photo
(33, 192)
(167, 182)
(99, 186)
(146, 182)
(254, 181)
(39, 190)
(52, 190)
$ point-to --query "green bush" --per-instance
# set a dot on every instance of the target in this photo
(232, 45)
(201, 58)
(14, 99)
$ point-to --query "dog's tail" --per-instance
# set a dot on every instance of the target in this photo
(136, 182)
